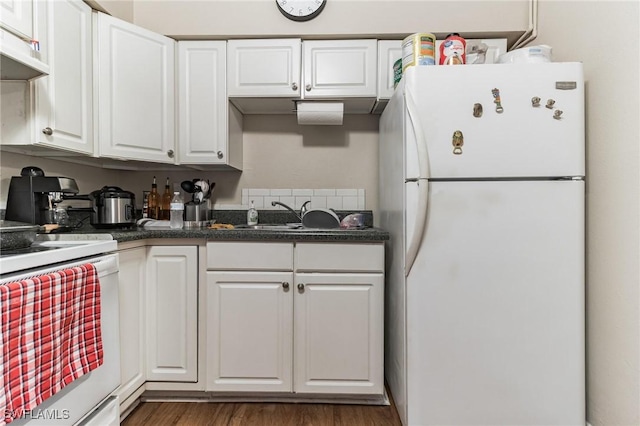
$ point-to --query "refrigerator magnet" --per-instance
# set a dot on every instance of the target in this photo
(457, 141)
(496, 100)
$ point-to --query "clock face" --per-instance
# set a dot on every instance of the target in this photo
(301, 10)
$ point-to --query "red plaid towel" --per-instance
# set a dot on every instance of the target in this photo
(49, 336)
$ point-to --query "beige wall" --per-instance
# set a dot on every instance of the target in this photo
(340, 18)
(605, 36)
(122, 9)
(277, 154)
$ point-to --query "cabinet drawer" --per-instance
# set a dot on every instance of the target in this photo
(340, 257)
(250, 256)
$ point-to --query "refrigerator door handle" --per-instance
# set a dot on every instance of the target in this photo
(421, 140)
(423, 186)
(418, 230)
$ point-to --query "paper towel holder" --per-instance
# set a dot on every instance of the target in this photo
(319, 112)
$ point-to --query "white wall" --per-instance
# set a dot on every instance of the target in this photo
(605, 36)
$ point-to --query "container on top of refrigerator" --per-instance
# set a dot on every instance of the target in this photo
(453, 50)
(418, 49)
(476, 52)
(530, 55)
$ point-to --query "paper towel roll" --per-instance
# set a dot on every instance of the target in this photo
(320, 113)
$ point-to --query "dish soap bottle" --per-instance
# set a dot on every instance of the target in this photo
(252, 215)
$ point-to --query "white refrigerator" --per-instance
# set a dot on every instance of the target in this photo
(482, 190)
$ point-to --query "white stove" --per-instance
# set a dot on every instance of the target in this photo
(49, 250)
(90, 398)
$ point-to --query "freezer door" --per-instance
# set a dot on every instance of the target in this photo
(495, 306)
(512, 138)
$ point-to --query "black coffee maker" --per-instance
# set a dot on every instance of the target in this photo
(32, 195)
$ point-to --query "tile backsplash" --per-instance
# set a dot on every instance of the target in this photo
(339, 199)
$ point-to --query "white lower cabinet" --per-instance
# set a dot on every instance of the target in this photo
(132, 328)
(249, 330)
(311, 327)
(172, 313)
(338, 333)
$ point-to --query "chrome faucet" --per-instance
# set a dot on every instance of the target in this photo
(303, 209)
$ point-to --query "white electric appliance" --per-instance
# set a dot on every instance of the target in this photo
(89, 400)
(482, 190)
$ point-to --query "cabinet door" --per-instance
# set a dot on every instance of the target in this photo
(132, 315)
(249, 331)
(17, 16)
(339, 329)
(389, 51)
(259, 68)
(340, 68)
(135, 92)
(172, 313)
(63, 100)
(202, 103)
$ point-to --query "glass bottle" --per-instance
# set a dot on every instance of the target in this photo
(154, 202)
(165, 205)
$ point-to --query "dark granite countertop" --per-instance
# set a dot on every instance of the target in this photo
(368, 234)
(337, 235)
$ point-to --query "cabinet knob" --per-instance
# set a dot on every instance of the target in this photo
(294, 86)
(220, 154)
(301, 288)
(47, 131)
(308, 87)
(170, 153)
(285, 285)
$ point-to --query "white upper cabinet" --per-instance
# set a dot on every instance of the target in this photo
(209, 130)
(20, 59)
(340, 68)
(63, 100)
(17, 17)
(266, 76)
(389, 51)
(264, 68)
(135, 92)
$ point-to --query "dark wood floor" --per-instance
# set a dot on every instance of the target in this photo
(261, 414)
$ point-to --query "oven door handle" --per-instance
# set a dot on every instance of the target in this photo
(106, 265)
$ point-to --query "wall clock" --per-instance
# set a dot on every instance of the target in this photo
(301, 10)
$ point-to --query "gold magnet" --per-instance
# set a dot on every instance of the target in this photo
(535, 102)
(496, 100)
(457, 141)
(550, 103)
(557, 113)
(477, 110)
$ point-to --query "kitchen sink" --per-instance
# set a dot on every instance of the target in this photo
(289, 227)
(272, 227)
